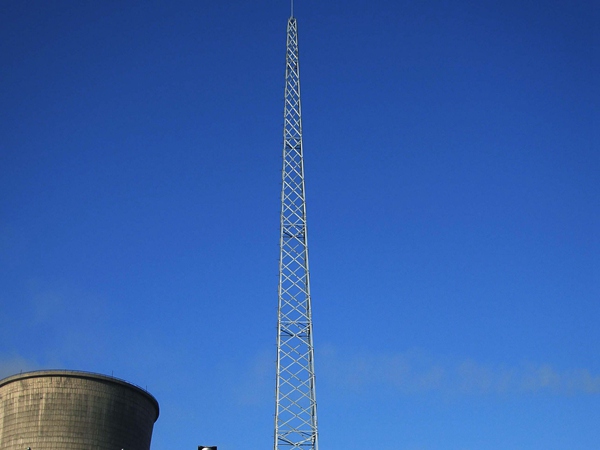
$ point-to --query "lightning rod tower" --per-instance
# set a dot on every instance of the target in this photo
(296, 406)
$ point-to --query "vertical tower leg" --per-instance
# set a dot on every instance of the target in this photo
(296, 407)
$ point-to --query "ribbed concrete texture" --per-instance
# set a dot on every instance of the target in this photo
(66, 410)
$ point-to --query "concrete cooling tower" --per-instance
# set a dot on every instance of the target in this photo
(67, 410)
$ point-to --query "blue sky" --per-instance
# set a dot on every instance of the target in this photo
(451, 153)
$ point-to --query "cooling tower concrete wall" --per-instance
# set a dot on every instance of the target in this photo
(66, 410)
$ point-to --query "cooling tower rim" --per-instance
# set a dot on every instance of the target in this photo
(83, 375)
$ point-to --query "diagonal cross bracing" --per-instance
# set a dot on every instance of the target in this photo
(296, 407)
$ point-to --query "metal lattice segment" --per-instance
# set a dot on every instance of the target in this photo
(296, 407)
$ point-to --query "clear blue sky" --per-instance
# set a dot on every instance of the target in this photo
(452, 161)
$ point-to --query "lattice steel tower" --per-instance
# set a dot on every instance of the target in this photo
(296, 407)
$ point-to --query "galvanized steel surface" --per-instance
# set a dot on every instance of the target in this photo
(296, 406)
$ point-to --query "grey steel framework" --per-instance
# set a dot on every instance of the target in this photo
(296, 407)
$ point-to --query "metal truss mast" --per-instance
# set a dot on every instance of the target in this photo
(296, 407)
